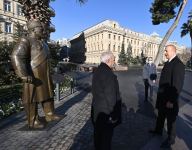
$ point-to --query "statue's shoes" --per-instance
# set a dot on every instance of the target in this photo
(52, 117)
(37, 125)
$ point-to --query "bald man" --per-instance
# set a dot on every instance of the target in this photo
(170, 86)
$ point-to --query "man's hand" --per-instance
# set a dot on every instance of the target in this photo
(169, 105)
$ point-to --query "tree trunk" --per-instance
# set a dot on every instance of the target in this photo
(160, 52)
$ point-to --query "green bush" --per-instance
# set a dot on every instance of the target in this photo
(6, 109)
(7, 75)
(10, 99)
(65, 84)
(10, 92)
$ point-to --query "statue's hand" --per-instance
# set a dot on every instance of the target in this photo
(28, 79)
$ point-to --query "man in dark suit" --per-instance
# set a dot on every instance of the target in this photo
(170, 86)
(106, 104)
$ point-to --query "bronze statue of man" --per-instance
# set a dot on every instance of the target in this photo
(30, 61)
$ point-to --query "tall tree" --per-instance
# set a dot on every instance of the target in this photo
(187, 29)
(129, 54)
(122, 57)
(6, 75)
(54, 55)
(162, 12)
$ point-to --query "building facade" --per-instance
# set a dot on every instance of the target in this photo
(109, 35)
(10, 15)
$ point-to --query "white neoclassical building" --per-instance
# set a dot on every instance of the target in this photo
(109, 35)
(10, 15)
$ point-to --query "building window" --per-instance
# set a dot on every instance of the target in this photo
(114, 37)
(7, 6)
(114, 48)
(109, 36)
(102, 36)
(109, 47)
(8, 27)
(118, 48)
(19, 10)
(119, 38)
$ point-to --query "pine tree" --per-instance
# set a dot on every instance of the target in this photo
(129, 54)
(122, 57)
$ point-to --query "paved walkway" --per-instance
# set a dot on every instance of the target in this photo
(69, 133)
(75, 131)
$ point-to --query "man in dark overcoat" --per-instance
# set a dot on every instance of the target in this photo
(106, 104)
(170, 86)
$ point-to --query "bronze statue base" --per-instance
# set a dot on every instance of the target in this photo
(46, 125)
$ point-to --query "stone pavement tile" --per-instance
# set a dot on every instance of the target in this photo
(75, 131)
(184, 126)
(61, 134)
(184, 131)
(132, 134)
(153, 144)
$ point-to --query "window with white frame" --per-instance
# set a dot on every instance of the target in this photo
(19, 10)
(8, 27)
(7, 5)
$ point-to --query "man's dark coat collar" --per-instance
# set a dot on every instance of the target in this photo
(176, 57)
(105, 65)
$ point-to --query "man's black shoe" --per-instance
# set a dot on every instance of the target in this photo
(154, 132)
